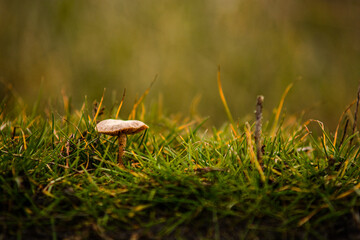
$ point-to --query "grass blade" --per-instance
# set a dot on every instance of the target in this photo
(222, 96)
(278, 110)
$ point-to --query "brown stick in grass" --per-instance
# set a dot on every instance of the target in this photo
(258, 125)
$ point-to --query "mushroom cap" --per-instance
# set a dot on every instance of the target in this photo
(114, 127)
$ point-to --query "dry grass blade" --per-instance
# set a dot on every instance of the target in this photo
(222, 96)
(313, 213)
(99, 107)
(278, 110)
(120, 105)
(24, 138)
(137, 103)
(347, 193)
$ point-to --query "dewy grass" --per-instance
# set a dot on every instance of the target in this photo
(60, 179)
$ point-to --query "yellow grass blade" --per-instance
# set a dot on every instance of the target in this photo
(222, 96)
(343, 171)
(137, 103)
(24, 139)
(186, 125)
(278, 110)
(120, 105)
(33, 121)
(143, 111)
(308, 217)
(99, 107)
(347, 193)
(47, 193)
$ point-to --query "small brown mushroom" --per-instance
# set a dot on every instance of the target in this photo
(120, 128)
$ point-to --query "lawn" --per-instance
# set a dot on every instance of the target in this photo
(182, 179)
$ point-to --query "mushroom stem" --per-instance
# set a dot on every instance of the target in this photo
(122, 144)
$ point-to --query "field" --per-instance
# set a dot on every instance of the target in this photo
(60, 179)
(207, 167)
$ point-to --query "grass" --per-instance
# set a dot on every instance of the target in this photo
(60, 180)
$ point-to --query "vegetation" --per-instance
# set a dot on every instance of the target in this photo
(59, 178)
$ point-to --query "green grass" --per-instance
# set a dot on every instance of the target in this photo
(59, 180)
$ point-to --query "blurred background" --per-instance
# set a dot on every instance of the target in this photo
(81, 47)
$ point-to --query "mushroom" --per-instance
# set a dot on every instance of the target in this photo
(120, 128)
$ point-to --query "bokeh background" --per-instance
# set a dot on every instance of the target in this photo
(81, 47)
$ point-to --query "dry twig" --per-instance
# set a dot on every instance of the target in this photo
(258, 125)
